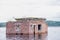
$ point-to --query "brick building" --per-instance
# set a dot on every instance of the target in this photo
(26, 26)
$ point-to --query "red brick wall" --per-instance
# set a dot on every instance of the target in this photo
(25, 26)
(11, 27)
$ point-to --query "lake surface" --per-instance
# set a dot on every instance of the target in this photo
(53, 34)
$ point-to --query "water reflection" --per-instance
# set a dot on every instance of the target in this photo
(27, 37)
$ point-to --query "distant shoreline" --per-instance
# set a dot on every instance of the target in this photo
(49, 23)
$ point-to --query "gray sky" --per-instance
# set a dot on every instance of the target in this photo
(49, 9)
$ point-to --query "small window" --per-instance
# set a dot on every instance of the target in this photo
(39, 27)
(32, 26)
(17, 28)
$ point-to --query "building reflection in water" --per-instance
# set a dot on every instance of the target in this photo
(27, 37)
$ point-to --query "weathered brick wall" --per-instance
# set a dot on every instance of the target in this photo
(26, 26)
(44, 27)
(12, 28)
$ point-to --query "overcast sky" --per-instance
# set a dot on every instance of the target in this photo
(10, 9)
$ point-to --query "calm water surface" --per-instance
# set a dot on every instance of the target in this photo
(53, 34)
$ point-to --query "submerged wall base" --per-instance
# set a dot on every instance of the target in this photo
(25, 33)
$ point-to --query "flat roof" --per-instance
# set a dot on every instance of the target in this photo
(29, 18)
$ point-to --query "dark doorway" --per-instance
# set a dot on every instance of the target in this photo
(39, 27)
(34, 30)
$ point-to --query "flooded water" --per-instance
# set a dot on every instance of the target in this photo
(53, 34)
